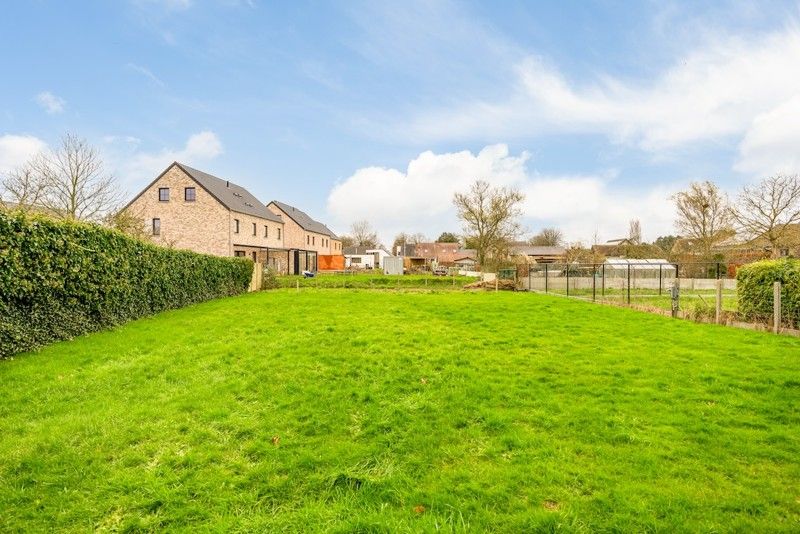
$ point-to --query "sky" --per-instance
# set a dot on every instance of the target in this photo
(597, 111)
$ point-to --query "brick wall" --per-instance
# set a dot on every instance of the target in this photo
(203, 225)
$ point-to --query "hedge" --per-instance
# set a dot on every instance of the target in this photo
(61, 279)
(755, 289)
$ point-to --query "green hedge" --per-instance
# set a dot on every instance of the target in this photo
(755, 288)
(62, 279)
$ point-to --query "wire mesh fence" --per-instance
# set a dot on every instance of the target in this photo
(702, 291)
(637, 282)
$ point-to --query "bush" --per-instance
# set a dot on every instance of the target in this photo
(754, 285)
(61, 279)
(270, 279)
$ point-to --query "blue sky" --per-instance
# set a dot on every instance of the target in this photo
(597, 111)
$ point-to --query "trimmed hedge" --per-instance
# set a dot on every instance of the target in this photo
(755, 288)
(61, 279)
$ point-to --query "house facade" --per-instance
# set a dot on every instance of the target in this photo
(304, 237)
(189, 209)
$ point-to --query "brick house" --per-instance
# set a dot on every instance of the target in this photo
(307, 237)
(190, 209)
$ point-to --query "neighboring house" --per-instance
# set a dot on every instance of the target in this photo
(612, 247)
(189, 209)
(364, 257)
(305, 233)
(439, 253)
(538, 253)
(466, 259)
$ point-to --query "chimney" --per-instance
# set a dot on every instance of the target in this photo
(227, 183)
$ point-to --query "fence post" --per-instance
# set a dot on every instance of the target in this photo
(530, 286)
(594, 281)
(567, 279)
(718, 313)
(717, 270)
(776, 307)
(629, 284)
(545, 278)
(659, 279)
(603, 282)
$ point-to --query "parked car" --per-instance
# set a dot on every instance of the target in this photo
(440, 271)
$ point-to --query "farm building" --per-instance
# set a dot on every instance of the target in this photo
(538, 254)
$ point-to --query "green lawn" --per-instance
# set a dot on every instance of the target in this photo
(354, 411)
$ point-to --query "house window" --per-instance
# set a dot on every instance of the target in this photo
(236, 226)
(163, 194)
(156, 226)
(254, 256)
(266, 231)
(254, 228)
(355, 260)
(238, 253)
(189, 194)
(314, 240)
(279, 234)
(308, 240)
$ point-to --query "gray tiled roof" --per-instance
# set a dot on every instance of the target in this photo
(304, 220)
(232, 196)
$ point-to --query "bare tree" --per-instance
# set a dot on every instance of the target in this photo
(22, 188)
(129, 222)
(767, 210)
(490, 216)
(635, 232)
(548, 237)
(76, 186)
(364, 235)
(703, 215)
(346, 240)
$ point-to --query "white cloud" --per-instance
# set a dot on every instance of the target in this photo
(773, 142)
(50, 102)
(714, 93)
(137, 168)
(420, 199)
(15, 150)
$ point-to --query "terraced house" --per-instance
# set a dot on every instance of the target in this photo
(310, 239)
(191, 209)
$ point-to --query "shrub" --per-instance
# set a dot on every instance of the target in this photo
(755, 288)
(270, 279)
(61, 279)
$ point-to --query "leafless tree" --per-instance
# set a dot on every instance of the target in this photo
(767, 209)
(76, 186)
(548, 237)
(363, 234)
(128, 221)
(704, 215)
(490, 216)
(635, 232)
(22, 188)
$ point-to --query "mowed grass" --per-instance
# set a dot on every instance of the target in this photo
(370, 411)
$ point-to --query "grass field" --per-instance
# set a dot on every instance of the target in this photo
(358, 410)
